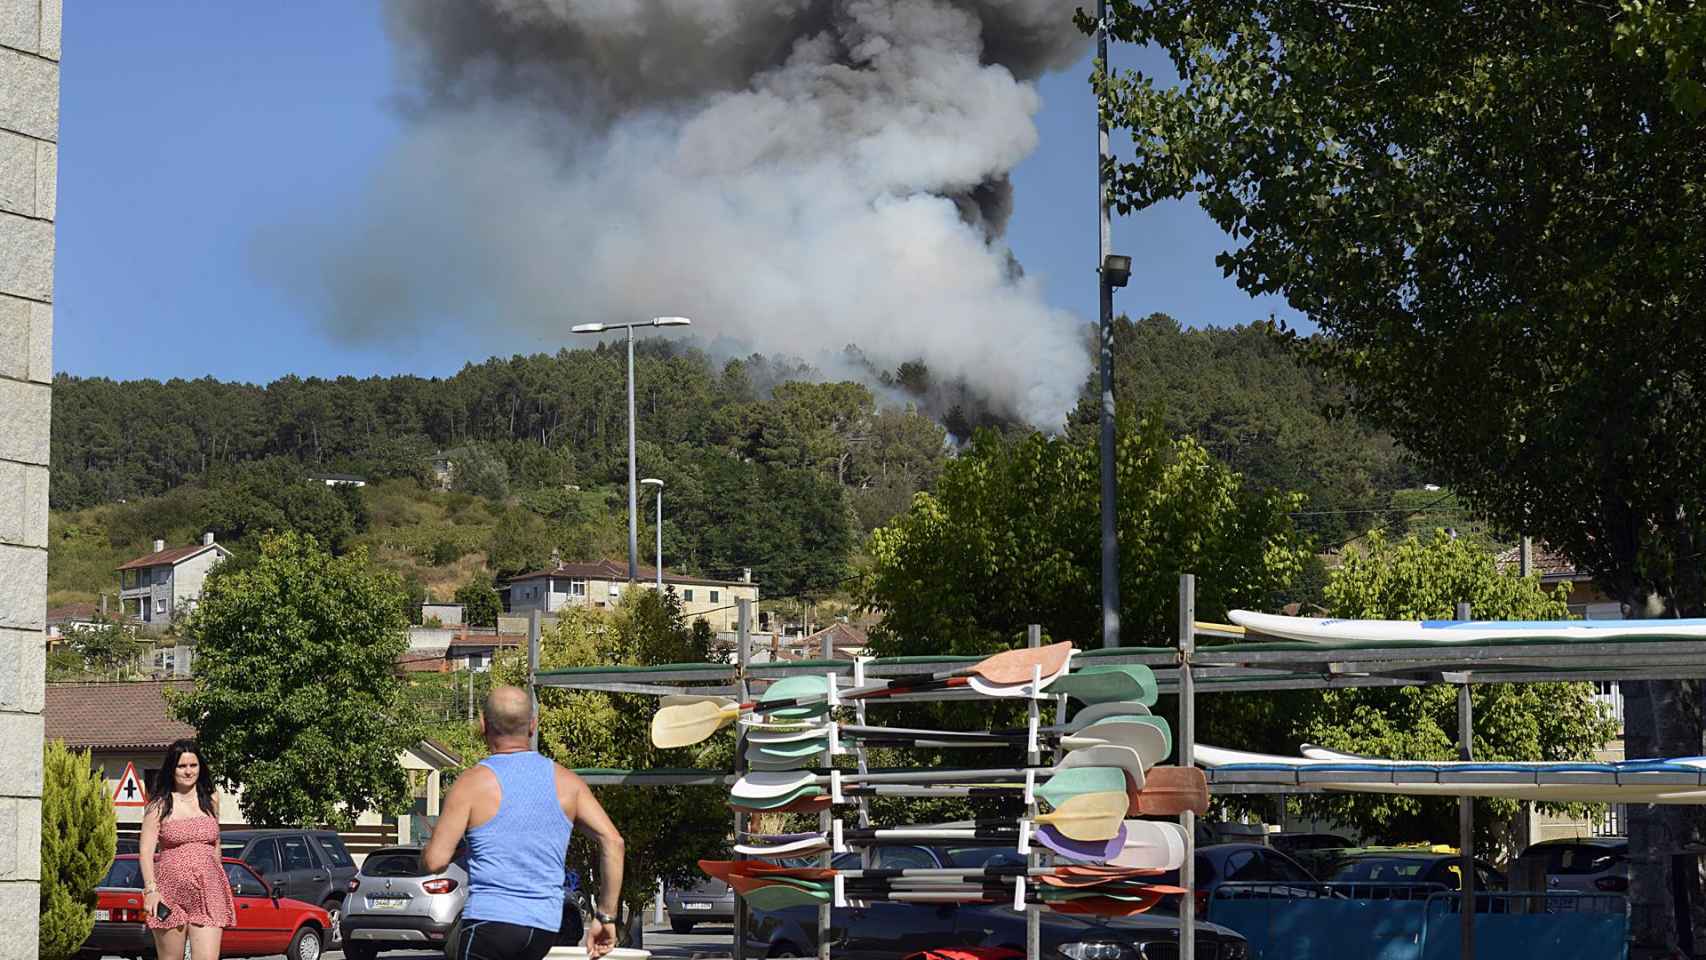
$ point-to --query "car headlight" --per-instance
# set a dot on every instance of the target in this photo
(1093, 950)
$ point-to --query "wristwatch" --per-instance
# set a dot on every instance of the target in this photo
(603, 917)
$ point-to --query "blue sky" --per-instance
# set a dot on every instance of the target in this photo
(188, 128)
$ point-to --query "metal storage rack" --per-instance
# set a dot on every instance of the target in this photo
(1248, 664)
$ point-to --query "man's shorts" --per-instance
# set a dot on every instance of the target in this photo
(496, 940)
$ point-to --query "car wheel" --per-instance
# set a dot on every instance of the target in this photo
(680, 926)
(306, 945)
(360, 950)
(786, 950)
(335, 911)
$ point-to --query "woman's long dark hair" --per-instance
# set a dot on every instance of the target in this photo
(165, 781)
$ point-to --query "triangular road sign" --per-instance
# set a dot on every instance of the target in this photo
(130, 792)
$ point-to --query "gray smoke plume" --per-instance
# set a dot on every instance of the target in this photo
(796, 175)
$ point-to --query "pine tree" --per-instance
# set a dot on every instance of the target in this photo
(79, 835)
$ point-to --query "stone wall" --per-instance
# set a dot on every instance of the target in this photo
(29, 161)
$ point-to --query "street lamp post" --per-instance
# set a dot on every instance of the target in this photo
(655, 482)
(633, 494)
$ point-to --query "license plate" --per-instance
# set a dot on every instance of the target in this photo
(697, 906)
(102, 915)
(387, 903)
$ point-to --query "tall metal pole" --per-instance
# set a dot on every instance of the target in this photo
(533, 632)
(1033, 912)
(660, 540)
(633, 495)
(1110, 539)
(1187, 758)
(743, 657)
(1466, 813)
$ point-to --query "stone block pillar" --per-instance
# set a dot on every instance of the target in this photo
(29, 161)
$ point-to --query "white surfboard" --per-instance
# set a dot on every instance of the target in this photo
(1328, 630)
(1462, 776)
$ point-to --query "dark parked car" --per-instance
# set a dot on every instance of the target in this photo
(267, 923)
(1312, 851)
(881, 930)
(308, 865)
(1253, 863)
(395, 904)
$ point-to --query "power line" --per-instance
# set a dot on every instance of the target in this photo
(1391, 523)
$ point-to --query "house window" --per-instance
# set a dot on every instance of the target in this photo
(577, 588)
(714, 596)
(160, 605)
(687, 595)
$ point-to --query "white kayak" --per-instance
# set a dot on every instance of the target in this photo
(1675, 781)
(1329, 630)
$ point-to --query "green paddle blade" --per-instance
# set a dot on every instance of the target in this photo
(682, 725)
(794, 688)
(777, 896)
(759, 762)
(1128, 681)
(1076, 781)
(784, 751)
(771, 803)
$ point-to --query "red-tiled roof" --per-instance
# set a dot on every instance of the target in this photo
(611, 570)
(169, 555)
(113, 716)
(73, 612)
(1548, 561)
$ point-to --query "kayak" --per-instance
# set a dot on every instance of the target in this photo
(1321, 629)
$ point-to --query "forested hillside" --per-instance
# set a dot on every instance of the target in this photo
(764, 465)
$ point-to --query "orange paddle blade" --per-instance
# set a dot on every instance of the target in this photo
(1019, 666)
(1170, 791)
(761, 869)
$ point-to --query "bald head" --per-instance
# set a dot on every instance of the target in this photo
(507, 713)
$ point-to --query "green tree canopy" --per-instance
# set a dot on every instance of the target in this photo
(297, 696)
(78, 838)
(480, 602)
(1417, 579)
(1495, 215)
(1011, 537)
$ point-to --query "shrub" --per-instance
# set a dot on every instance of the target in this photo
(78, 838)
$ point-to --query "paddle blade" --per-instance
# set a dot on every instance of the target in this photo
(685, 724)
(1126, 681)
(1152, 845)
(1171, 791)
(1086, 850)
(778, 896)
(1149, 736)
(1022, 665)
(1075, 781)
(1089, 816)
(1104, 906)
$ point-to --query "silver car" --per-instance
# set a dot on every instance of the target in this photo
(1595, 869)
(393, 903)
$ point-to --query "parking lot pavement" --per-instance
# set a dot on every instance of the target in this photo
(704, 943)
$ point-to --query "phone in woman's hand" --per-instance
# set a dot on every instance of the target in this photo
(161, 910)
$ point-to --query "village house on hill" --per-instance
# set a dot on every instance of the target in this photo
(600, 584)
(155, 586)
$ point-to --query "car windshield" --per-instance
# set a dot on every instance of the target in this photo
(1379, 870)
(123, 874)
(399, 863)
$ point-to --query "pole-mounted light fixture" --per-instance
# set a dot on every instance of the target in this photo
(1116, 269)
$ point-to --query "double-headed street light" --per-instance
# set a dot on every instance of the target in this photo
(655, 482)
(633, 498)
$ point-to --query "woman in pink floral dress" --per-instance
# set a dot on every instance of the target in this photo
(181, 866)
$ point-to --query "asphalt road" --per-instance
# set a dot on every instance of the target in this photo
(704, 943)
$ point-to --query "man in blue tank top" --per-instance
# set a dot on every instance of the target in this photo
(517, 810)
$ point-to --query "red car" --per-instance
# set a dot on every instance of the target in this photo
(266, 925)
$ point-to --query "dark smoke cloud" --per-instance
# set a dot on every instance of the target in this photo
(796, 175)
